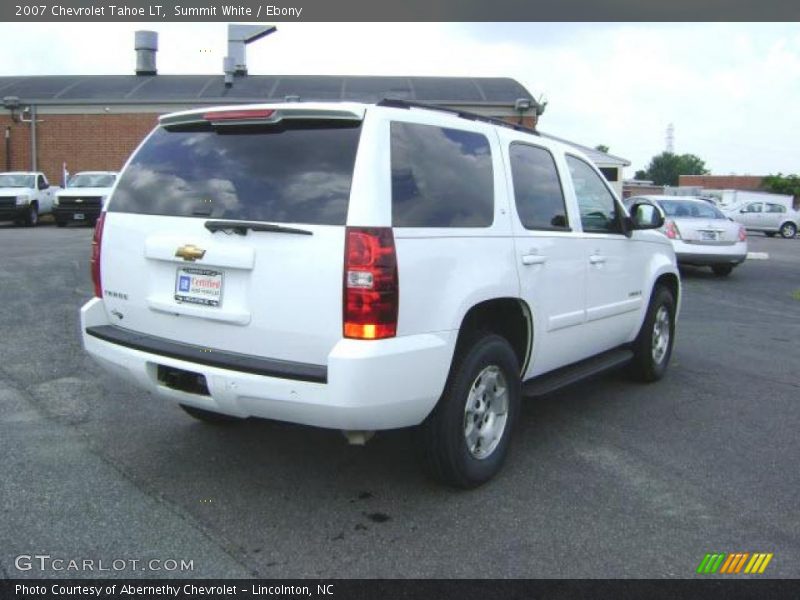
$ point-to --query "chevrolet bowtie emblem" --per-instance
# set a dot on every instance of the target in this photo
(190, 252)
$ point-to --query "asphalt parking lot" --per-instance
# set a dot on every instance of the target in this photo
(606, 479)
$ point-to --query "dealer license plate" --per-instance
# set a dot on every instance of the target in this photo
(198, 286)
(79, 216)
(708, 236)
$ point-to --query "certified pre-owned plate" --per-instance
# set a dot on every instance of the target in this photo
(198, 286)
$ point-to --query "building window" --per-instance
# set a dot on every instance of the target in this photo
(610, 173)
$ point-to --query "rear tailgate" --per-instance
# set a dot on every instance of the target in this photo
(230, 234)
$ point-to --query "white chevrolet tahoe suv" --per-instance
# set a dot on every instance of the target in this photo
(369, 267)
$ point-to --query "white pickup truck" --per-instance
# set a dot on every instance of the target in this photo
(24, 196)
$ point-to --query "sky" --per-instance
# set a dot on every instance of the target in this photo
(731, 90)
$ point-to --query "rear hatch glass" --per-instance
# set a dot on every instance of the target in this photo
(291, 172)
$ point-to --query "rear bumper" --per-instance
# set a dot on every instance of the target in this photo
(709, 255)
(708, 260)
(370, 385)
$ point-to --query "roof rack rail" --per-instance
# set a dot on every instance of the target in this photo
(407, 104)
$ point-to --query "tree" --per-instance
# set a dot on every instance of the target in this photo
(782, 184)
(665, 168)
(602, 148)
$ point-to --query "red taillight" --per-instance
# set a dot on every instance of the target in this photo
(239, 115)
(97, 241)
(371, 288)
(671, 231)
(742, 234)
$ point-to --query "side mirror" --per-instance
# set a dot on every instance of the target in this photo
(741, 212)
(646, 216)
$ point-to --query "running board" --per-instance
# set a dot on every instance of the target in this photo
(549, 382)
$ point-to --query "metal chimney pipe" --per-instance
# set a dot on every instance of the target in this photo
(228, 68)
(146, 46)
(238, 37)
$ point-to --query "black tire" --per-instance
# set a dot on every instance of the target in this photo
(479, 360)
(769, 233)
(722, 270)
(208, 416)
(61, 223)
(788, 230)
(32, 217)
(645, 366)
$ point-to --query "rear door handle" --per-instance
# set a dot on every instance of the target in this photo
(533, 259)
(597, 259)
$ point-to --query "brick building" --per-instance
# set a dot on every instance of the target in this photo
(95, 122)
(723, 182)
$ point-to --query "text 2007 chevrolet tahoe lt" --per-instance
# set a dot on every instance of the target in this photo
(367, 267)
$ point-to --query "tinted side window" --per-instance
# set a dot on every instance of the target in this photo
(537, 189)
(292, 172)
(597, 205)
(440, 177)
(775, 208)
(754, 207)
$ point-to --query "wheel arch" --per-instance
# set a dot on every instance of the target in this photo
(508, 317)
(670, 281)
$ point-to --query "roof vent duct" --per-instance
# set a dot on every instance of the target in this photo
(227, 68)
(146, 46)
(238, 37)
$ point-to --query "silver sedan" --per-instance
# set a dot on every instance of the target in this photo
(701, 235)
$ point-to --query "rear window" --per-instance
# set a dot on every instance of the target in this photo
(441, 177)
(89, 180)
(694, 210)
(293, 172)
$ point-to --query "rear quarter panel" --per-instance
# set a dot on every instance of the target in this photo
(443, 272)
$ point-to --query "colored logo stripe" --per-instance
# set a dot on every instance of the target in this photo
(733, 563)
(758, 563)
(710, 563)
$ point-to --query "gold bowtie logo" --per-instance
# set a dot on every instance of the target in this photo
(190, 252)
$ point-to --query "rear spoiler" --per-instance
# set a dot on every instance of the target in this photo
(259, 116)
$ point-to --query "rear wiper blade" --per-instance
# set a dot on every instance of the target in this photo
(241, 227)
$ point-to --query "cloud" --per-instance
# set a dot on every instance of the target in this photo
(729, 88)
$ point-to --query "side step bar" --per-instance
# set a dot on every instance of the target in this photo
(549, 382)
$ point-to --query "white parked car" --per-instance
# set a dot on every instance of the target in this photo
(83, 198)
(24, 196)
(701, 234)
(369, 267)
(769, 218)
